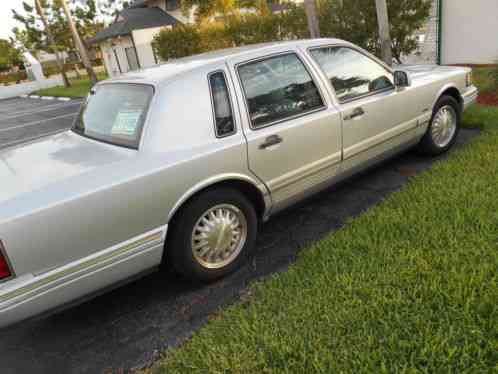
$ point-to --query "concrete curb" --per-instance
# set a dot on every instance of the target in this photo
(46, 97)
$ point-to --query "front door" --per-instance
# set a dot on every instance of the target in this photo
(376, 116)
(292, 129)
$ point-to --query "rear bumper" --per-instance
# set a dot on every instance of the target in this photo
(470, 97)
(30, 296)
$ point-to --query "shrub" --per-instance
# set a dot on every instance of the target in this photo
(214, 36)
(186, 40)
(50, 70)
(9, 78)
(177, 42)
(494, 78)
(355, 22)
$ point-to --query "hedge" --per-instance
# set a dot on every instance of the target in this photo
(187, 40)
(9, 78)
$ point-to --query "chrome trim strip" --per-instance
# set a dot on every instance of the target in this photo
(373, 145)
(304, 172)
(118, 252)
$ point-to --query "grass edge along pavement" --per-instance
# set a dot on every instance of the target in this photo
(410, 286)
(79, 88)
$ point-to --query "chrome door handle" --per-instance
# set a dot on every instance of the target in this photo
(271, 141)
(357, 113)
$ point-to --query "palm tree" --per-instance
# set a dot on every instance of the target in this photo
(384, 34)
(79, 44)
(50, 38)
(311, 15)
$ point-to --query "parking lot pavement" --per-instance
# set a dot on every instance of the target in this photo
(24, 119)
(127, 327)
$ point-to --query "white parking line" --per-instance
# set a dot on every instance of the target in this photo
(19, 105)
(25, 140)
(34, 123)
(44, 108)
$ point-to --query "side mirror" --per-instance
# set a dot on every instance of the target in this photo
(402, 79)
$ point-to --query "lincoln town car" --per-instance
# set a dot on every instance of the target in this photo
(181, 163)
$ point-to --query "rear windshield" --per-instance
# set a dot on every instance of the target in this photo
(115, 113)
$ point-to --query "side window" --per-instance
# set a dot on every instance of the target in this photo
(351, 73)
(222, 107)
(277, 88)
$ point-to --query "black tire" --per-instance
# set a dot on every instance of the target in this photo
(179, 248)
(427, 145)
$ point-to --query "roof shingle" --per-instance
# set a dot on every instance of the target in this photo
(131, 19)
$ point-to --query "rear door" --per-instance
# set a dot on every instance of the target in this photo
(293, 130)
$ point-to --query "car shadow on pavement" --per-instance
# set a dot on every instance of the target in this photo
(129, 326)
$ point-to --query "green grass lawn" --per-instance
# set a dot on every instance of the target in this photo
(79, 88)
(483, 79)
(411, 286)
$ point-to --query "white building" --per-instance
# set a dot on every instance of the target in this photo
(459, 32)
(127, 43)
(468, 31)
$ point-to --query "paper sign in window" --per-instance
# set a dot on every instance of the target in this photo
(126, 123)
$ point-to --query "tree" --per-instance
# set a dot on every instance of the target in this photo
(384, 33)
(311, 15)
(109, 9)
(206, 9)
(406, 17)
(88, 19)
(79, 44)
(50, 38)
(29, 36)
(10, 56)
(356, 22)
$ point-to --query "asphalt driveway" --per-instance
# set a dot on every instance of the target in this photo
(24, 119)
(127, 328)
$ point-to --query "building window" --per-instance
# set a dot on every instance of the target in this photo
(117, 61)
(131, 56)
(172, 5)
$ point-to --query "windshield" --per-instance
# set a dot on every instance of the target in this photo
(115, 113)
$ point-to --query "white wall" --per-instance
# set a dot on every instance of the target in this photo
(29, 87)
(470, 32)
(118, 45)
(143, 43)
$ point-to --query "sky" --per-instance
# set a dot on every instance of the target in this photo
(6, 20)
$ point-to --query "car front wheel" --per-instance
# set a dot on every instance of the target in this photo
(212, 235)
(444, 127)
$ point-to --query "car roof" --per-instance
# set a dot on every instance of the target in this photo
(162, 73)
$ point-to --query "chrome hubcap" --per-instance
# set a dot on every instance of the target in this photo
(219, 236)
(444, 126)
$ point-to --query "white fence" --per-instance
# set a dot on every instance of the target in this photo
(29, 87)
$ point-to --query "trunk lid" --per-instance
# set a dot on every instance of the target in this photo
(49, 160)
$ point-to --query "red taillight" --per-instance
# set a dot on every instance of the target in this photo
(4, 266)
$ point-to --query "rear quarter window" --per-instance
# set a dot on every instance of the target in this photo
(222, 106)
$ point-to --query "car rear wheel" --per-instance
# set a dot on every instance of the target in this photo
(443, 129)
(212, 235)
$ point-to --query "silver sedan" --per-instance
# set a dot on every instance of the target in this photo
(178, 164)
